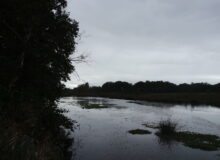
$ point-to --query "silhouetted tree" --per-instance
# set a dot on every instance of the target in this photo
(159, 91)
(139, 88)
(83, 88)
(119, 86)
(37, 38)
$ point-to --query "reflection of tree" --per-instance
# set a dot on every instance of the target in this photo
(96, 103)
(167, 141)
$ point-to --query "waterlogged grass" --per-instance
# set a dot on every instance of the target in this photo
(167, 132)
(194, 140)
(87, 105)
(139, 131)
(167, 127)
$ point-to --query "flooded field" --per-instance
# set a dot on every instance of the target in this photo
(103, 125)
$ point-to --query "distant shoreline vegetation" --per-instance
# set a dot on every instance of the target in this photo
(154, 91)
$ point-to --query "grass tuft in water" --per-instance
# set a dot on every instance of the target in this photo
(167, 127)
(168, 132)
(139, 131)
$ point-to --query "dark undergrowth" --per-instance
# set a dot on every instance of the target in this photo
(36, 136)
(37, 39)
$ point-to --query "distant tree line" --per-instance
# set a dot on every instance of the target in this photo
(120, 87)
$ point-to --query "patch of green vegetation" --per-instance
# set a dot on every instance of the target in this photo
(86, 105)
(194, 140)
(139, 131)
(167, 131)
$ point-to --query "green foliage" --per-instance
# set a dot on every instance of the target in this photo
(37, 38)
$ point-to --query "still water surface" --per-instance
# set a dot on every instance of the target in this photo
(102, 133)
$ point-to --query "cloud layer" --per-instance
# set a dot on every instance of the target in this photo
(129, 40)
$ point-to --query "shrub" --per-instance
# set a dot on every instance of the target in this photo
(167, 127)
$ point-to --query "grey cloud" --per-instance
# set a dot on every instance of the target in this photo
(136, 40)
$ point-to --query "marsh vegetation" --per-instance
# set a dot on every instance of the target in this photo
(167, 131)
(139, 131)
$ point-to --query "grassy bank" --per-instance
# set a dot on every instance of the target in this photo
(174, 98)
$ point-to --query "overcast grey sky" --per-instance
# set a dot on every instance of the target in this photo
(139, 40)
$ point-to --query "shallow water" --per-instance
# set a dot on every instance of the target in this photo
(102, 133)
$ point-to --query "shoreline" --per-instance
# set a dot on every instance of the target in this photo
(212, 99)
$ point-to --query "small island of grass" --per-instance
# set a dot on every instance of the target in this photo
(139, 131)
(167, 131)
(195, 140)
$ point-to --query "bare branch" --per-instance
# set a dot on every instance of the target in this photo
(80, 59)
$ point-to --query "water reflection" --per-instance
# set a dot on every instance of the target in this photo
(167, 142)
(154, 104)
(103, 133)
(96, 103)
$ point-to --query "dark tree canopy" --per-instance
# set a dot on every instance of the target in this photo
(37, 38)
(147, 87)
(155, 91)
